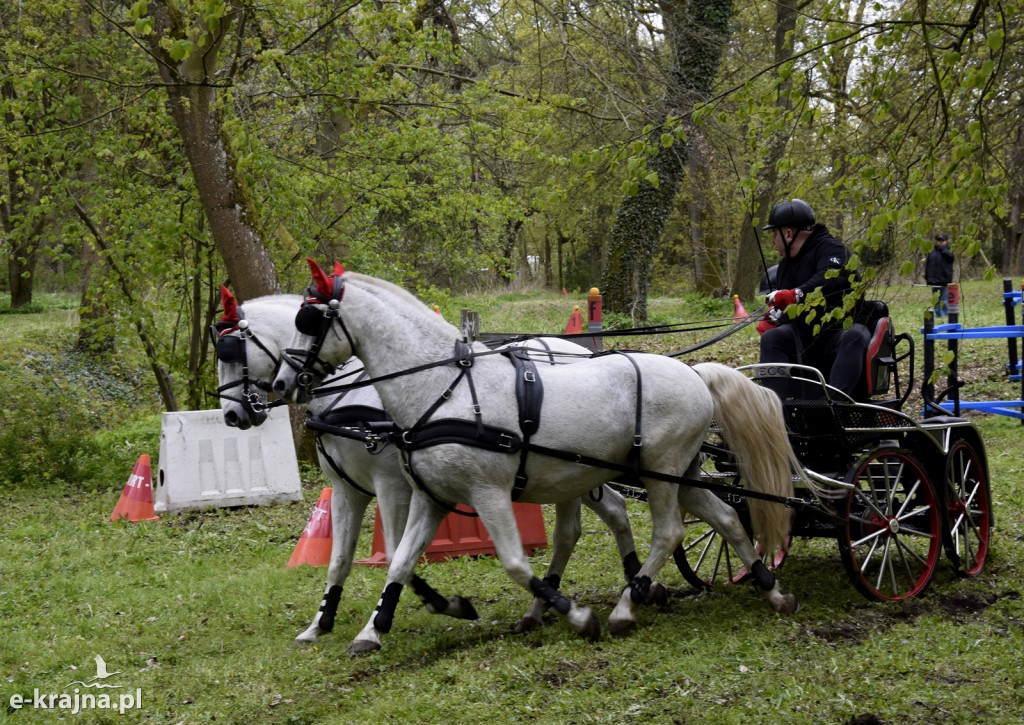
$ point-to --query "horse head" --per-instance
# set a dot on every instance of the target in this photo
(247, 343)
(320, 335)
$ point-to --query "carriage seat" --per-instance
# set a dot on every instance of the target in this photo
(880, 357)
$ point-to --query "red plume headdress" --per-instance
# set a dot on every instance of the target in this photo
(230, 319)
(326, 288)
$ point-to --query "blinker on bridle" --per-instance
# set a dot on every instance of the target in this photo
(316, 323)
(231, 349)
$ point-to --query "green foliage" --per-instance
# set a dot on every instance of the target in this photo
(44, 426)
(47, 435)
(115, 450)
(67, 419)
(496, 156)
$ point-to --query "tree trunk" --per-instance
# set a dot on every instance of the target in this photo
(750, 258)
(21, 265)
(16, 223)
(192, 92)
(695, 33)
(709, 278)
(95, 329)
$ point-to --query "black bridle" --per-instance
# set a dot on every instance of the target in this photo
(233, 349)
(311, 369)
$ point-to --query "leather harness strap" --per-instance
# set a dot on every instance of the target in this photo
(530, 398)
(371, 425)
(362, 423)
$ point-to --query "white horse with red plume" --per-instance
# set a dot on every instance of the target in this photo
(465, 441)
(249, 341)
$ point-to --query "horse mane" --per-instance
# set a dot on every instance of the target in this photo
(270, 299)
(374, 285)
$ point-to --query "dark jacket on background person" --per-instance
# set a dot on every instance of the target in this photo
(938, 266)
(807, 271)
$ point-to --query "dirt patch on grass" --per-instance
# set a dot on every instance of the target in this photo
(963, 604)
(867, 719)
(864, 622)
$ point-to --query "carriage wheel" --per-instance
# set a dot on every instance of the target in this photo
(705, 559)
(968, 509)
(893, 532)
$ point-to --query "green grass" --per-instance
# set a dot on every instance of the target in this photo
(199, 611)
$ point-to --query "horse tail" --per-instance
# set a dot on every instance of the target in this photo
(754, 428)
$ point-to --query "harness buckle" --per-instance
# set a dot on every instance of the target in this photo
(476, 408)
(446, 394)
(507, 437)
(529, 376)
(638, 441)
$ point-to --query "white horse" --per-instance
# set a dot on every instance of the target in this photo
(249, 343)
(601, 417)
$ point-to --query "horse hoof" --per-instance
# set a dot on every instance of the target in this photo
(307, 638)
(658, 595)
(362, 647)
(620, 628)
(787, 605)
(591, 629)
(461, 608)
(526, 624)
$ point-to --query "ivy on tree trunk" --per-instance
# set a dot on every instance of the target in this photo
(695, 33)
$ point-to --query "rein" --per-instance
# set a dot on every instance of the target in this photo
(720, 336)
(718, 488)
(476, 433)
(470, 355)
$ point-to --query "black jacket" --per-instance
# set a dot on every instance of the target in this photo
(820, 252)
(938, 267)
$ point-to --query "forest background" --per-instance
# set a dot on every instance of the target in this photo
(151, 151)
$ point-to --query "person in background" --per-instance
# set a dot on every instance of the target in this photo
(938, 272)
(811, 259)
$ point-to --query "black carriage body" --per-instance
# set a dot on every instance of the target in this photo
(829, 431)
(841, 442)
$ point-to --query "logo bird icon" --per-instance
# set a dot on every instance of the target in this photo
(101, 674)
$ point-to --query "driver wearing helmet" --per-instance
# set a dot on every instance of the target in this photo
(809, 256)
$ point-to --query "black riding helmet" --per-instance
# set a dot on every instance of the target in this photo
(791, 213)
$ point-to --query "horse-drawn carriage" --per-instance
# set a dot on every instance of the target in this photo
(897, 490)
(473, 429)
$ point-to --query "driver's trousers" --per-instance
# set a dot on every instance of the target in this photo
(838, 354)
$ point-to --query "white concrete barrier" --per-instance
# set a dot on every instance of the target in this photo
(206, 464)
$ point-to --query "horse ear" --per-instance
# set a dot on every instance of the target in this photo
(230, 305)
(323, 284)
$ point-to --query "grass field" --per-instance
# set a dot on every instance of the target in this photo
(197, 612)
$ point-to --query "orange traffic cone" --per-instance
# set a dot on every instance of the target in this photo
(136, 502)
(314, 547)
(575, 325)
(739, 311)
